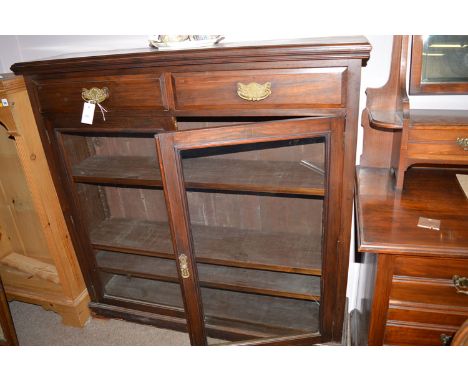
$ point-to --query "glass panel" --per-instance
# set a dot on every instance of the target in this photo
(118, 185)
(256, 214)
(120, 158)
(126, 218)
(445, 59)
(144, 290)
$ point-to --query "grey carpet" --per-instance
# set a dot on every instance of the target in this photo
(36, 326)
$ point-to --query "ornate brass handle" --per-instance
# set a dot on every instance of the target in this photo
(95, 95)
(460, 284)
(445, 339)
(463, 142)
(183, 263)
(253, 91)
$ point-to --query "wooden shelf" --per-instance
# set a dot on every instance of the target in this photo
(381, 119)
(141, 237)
(205, 173)
(125, 170)
(259, 316)
(149, 291)
(384, 119)
(213, 276)
(252, 175)
(291, 253)
(247, 315)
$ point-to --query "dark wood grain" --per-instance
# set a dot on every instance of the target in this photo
(388, 223)
(215, 245)
(401, 334)
(136, 236)
(290, 88)
(312, 77)
(413, 297)
(134, 91)
(204, 173)
(230, 278)
(331, 48)
(248, 315)
(427, 314)
(384, 111)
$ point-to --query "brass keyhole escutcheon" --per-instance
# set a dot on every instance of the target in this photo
(183, 263)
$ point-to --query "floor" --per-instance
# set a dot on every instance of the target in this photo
(36, 326)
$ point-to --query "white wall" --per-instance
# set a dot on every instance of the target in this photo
(27, 48)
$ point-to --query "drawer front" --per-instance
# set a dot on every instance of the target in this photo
(429, 281)
(126, 92)
(438, 151)
(427, 291)
(427, 316)
(438, 144)
(407, 334)
(437, 135)
(430, 267)
(289, 88)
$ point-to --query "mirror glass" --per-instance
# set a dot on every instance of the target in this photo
(445, 59)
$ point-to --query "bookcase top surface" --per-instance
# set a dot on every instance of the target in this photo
(347, 47)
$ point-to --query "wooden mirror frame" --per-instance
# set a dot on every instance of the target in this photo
(420, 88)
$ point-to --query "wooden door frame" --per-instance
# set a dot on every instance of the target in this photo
(169, 145)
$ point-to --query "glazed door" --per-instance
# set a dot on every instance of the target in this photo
(255, 222)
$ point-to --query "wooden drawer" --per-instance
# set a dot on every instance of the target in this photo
(437, 143)
(430, 267)
(290, 89)
(436, 135)
(438, 151)
(415, 335)
(428, 316)
(428, 281)
(126, 92)
(427, 291)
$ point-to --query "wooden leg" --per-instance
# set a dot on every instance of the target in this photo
(399, 178)
(72, 315)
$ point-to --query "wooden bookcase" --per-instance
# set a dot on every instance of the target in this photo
(216, 196)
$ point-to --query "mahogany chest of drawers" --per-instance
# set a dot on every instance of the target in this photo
(414, 281)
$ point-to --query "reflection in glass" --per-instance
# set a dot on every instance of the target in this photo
(256, 214)
(445, 59)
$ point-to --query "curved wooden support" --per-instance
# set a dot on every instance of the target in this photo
(382, 119)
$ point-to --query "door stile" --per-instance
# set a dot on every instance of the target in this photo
(179, 222)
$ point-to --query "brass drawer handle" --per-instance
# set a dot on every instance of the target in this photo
(183, 263)
(445, 339)
(460, 284)
(463, 142)
(253, 91)
(95, 95)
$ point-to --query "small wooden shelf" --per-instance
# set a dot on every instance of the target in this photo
(205, 173)
(243, 314)
(384, 119)
(229, 278)
(293, 253)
